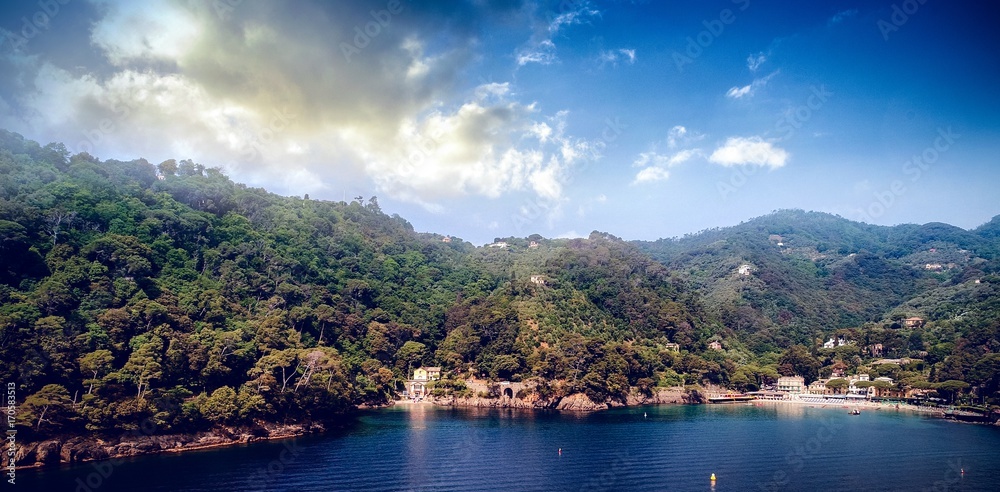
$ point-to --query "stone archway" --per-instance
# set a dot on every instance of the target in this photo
(508, 392)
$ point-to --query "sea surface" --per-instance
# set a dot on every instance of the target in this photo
(422, 447)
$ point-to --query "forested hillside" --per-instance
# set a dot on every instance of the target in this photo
(809, 272)
(131, 291)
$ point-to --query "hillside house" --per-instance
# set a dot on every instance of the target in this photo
(715, 345)
(744, 269)
(427, 374)
(537, 279)
(673, 347)
(913, 322)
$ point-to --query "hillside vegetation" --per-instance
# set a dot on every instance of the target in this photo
(131, 292)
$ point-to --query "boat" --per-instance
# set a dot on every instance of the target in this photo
(731, 398)
(855, 412)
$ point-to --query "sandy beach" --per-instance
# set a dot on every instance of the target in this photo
(870, 405)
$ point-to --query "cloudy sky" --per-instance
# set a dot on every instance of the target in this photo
(486, 118)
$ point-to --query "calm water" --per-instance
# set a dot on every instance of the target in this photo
(774, 447)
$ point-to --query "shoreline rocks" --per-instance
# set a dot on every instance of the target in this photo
(80, 449)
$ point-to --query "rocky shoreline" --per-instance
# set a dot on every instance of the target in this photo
(81, 449)
(576, 401)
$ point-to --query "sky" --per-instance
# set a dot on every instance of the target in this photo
(497, 118)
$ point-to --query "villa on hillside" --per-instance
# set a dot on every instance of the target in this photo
(427, 374)
(673, 347)
(417, 387)
(913, 322)
(839, 342)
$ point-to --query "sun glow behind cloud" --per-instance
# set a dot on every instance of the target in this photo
(469, 114)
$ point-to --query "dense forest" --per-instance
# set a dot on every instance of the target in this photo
(132, 292)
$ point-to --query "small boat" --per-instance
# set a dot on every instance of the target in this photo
(855, 412)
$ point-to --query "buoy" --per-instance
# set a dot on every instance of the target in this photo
(713, 477)
(560, 451)
(643, 414)
(963, 471)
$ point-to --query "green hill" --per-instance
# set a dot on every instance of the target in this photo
(131, 292)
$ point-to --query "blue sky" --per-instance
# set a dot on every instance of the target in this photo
(492, 118)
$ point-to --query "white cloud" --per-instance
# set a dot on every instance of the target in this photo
(651, 175)
(749, 90)
(842, 16)
(655, 164)
(664, 160)
(272, 95)
(479, 149)
(740, 151)
(738, 92)
(612, 57)
(755, 61)
(129, 32)
(681, 136)
(540, 48)
(543, 53)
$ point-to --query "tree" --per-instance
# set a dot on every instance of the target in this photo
(837, 385)
(409, 355)
(222, 406)
(50, 406)
(952, 387)
(95, 363)
(798, 361)
(143, 365)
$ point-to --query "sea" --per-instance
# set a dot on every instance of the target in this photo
(421, 447)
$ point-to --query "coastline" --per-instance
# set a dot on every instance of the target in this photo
(877, 406)
(71, 450)
(75, 450)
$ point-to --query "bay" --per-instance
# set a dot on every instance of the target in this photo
(422, 447)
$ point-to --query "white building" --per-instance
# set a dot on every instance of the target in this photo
(792, 384)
